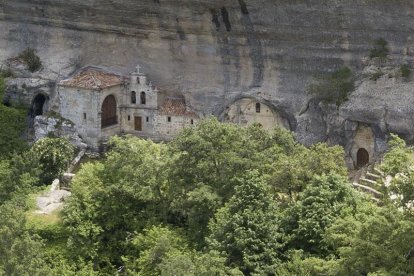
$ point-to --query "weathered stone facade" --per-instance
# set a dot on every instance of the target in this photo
(248, 111)
(102, 104)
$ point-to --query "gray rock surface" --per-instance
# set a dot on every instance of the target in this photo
(58, 127)
(51, 201)
(214, 51)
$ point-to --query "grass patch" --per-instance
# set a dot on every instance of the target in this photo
(48, 226)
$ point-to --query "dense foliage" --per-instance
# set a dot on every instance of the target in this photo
(217, 200)
(12, 125)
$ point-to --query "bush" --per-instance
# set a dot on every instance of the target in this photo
(55, 155)
(12, 125)
(380, 49)
(6, 73)
(398, 158)
(31, 59)
(405, 71)
(334, 87)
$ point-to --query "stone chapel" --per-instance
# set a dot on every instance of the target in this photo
(102, 103)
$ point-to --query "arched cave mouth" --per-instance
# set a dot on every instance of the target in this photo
(362, 158)
(38, 105)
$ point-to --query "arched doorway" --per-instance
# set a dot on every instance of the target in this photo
(108, 117)
(38, 105)
(362, 157)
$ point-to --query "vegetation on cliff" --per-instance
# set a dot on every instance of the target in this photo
(334, 87)
(12, 125)
(217, 200)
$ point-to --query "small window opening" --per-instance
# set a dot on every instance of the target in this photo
(84, 116)
(169, 119)
(192, 121)
(143, 98)
(258, 108)
(138, 80)
(133, 97)
(147, 119)
(129, 118)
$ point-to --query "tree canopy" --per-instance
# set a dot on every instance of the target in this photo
(217, 200)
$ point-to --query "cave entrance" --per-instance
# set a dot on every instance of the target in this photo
(362, 157)
(38, 105)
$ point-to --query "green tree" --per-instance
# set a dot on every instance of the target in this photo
(20, 251)
(123, 195)
(81, 213)
(319, 205)
(54, 155)
(151, 248)
(197, 264)
(246, 228)
(398, 158)
(401, 190)
(206, 160)
(374, 241)
(291, 173)
(18, 175)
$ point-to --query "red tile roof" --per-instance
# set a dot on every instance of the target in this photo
(93, 78)
(177, 107)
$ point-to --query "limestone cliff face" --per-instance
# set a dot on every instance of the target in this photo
(215, 51)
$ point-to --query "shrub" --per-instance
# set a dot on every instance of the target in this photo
(405, 71)
(334, 87)
(12, 125)
(31, 59)
(380, 49)
(6, 73)
(54, 156)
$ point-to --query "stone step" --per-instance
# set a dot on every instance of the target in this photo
(372, 176)
(378, 171)
(367, 189)
(369, 182)
(375, 199)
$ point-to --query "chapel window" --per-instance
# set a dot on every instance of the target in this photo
(143, 98)
(133, 97)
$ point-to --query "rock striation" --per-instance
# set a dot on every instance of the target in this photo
(217, 51)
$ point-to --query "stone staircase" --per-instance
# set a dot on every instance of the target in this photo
(370, 180)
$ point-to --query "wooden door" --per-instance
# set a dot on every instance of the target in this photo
(138, 123)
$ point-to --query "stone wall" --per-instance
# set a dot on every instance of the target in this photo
(75, 104)
(170, 129)
(51, 124)
(243, 112)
